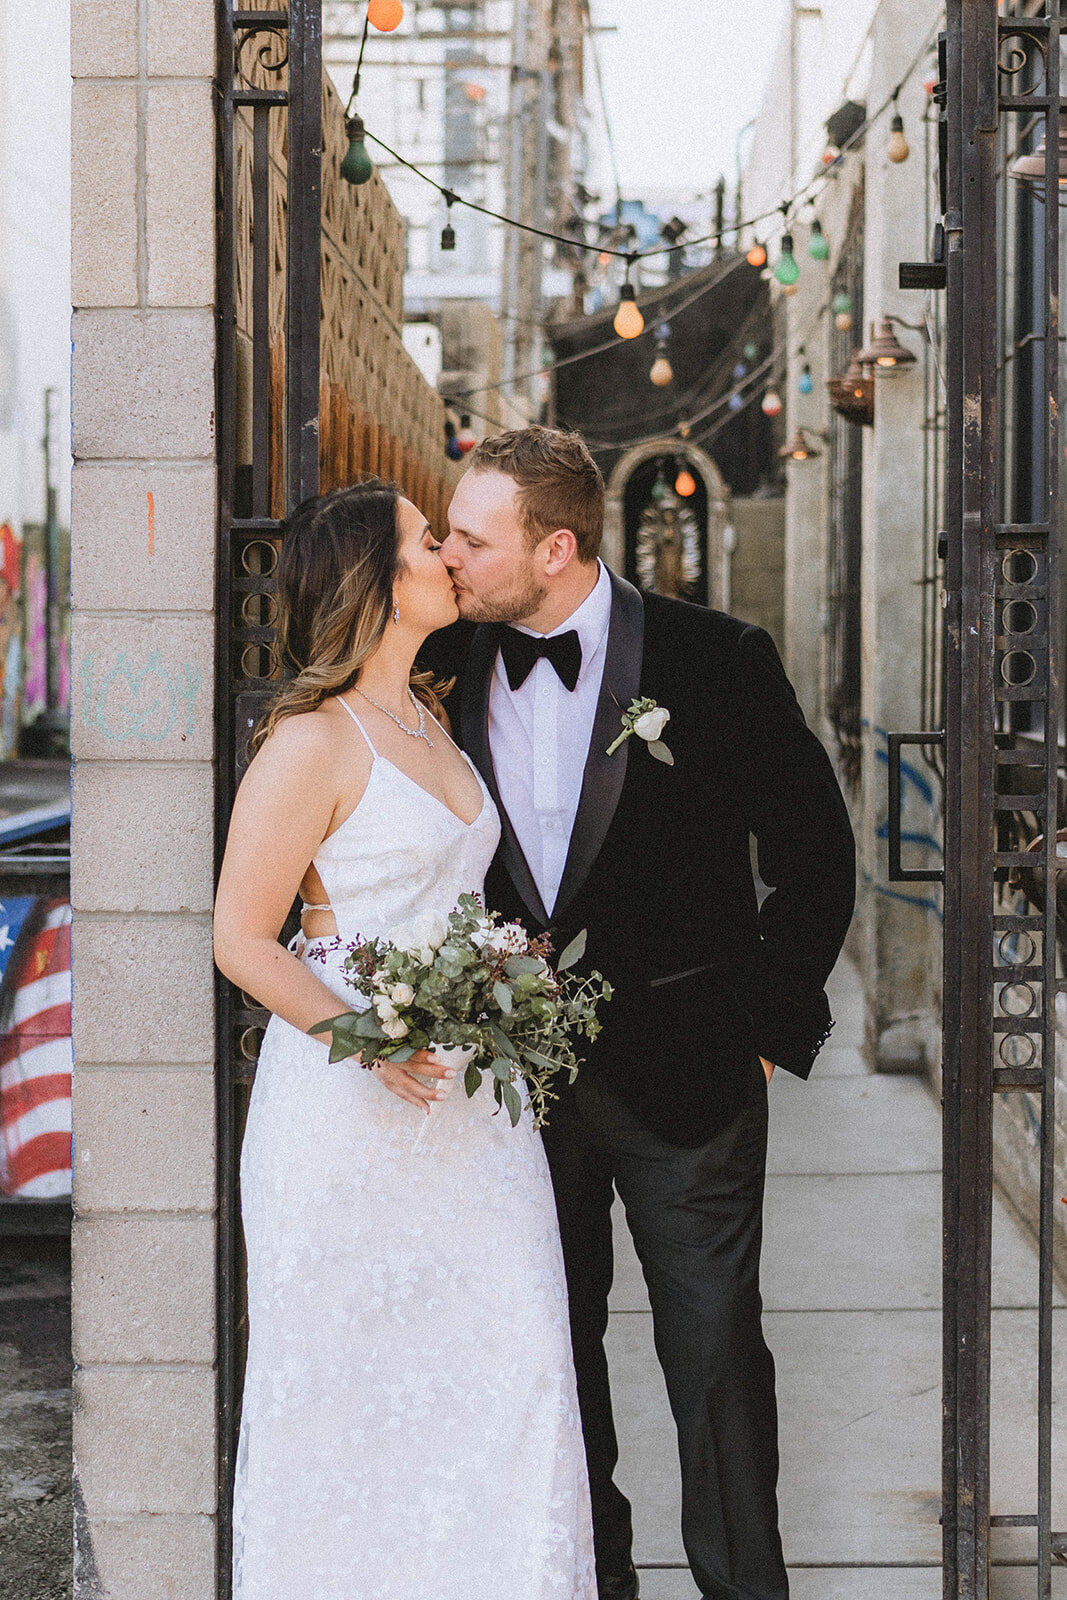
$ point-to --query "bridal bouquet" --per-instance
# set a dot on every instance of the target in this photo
(474, 984)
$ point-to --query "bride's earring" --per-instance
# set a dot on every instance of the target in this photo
(396, 615)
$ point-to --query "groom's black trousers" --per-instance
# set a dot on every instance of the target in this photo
(696, 1220)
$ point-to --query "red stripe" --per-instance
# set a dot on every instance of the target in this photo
(30, 1093)
(52, 1023)
(49, 1152)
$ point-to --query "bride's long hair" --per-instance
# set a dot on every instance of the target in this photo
(340, 558)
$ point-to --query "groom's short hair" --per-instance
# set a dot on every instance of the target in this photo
(560, 485)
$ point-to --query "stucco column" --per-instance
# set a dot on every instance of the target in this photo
(899, 923)
(143, 534)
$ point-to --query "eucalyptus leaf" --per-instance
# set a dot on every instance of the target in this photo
(521, 966)
(539, 1060)
(329, 1022)
(658, 749)
(504, 997)
(512, 1101)
(405, 1053)
(574, 952)
(501, 1069)
(503, 1043)
(472, 1080)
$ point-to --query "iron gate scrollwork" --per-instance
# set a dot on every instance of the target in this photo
(269, 68)
(1003, 649)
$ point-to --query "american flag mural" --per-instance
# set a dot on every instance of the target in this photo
(35, 1047)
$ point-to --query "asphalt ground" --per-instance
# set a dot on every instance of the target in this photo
(35, 1420)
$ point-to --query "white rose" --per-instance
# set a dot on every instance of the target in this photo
(401, 994)
(395, 1029)
(429, 929)
(651, 724)
(385, 1009)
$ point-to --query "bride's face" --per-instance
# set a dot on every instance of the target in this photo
(423, 588)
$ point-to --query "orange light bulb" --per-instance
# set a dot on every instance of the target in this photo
(685, 484)
(628, 319)
(385, 15)
(757, 256)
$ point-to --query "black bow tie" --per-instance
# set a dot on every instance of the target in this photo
(522, 650)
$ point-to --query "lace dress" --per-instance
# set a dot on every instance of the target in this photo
(410, 1425)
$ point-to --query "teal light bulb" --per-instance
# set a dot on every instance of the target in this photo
(787, 271)
(806, 383)
(357, 166)
(818, 244)
(841, 304)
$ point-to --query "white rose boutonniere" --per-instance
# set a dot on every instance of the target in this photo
(647, 720)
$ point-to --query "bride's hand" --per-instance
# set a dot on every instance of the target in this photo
(399, 1080)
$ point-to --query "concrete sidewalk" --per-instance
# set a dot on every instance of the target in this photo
(852, 1289)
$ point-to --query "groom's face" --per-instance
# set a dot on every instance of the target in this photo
(497, 575)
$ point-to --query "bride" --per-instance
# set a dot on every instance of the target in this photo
(410, 1425)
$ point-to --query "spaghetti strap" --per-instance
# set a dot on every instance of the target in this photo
(359, 725)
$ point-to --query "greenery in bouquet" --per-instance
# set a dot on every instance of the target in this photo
(471, 980)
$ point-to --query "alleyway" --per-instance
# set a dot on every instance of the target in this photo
(851, 1283)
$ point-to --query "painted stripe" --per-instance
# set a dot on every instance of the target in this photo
(44, 1025)
(24, 1097)
(48, 1154)
(51, 1117)
(45, 1057)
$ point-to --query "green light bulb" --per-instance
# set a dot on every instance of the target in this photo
(841, 303)
(818, 244)
(787, 271)
(357, 166)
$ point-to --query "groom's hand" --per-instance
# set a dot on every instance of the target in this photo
(768, 1067)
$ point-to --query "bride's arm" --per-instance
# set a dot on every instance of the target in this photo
(283, 811)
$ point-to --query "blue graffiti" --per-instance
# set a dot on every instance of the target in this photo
(144, 703)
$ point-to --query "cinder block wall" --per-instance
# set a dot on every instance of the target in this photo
(143, 535)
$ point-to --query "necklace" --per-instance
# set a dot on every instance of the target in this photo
(412, 733)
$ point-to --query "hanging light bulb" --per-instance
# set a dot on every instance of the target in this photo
(448, 232)
(735, 402)
(465, 438)
(786, 271)
(897, 149)
(757, 256)
(628, 319)
(385, 15)
(685, 484)
(841, 306)
(771, 404)
(750, 352)
(740, 371)
(357, 166)
(663, 331)
(806, 382)
(685, 429)
(818, 244)
(662, 372)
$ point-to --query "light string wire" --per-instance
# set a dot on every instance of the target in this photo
(808, 193)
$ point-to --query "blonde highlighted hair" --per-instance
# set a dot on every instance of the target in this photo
(340, 558)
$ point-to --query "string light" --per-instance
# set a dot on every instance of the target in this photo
(465, 438)
(818, 244)
(628, 319)
(750, 352)
(771, 404)
(806, 383)
(786, 271)
(685, 484)
(841, 306)
(357, 167)
(897, 149)
(757, 256)
(662, 372)
(448, 232)
(385, 15)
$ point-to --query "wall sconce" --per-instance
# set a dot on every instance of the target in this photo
(800, 447)
(885, 353)
(1030, 168)
(852, 396)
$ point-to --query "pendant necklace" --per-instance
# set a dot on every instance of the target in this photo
(412, 733)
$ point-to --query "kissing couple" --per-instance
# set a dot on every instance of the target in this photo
(427, 1408)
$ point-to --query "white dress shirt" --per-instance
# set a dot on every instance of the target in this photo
(539, 738)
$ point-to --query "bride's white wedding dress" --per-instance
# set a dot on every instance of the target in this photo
(410, 1425)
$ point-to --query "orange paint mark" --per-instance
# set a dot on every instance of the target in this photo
(151, 523)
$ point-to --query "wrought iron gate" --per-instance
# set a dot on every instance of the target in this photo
(1000, 94)
(270, 67)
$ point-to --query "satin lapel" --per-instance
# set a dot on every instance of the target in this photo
(604, 774)
(474, 725)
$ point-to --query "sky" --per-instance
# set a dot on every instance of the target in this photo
(681, 78)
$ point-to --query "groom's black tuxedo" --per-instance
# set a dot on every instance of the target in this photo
(660, 871)
(670, 1107)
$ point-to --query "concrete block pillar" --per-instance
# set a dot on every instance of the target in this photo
(899, 924)
(143, 540)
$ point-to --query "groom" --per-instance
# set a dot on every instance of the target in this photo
(712, 989)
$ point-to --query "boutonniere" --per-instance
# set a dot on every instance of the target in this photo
(647, 720)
